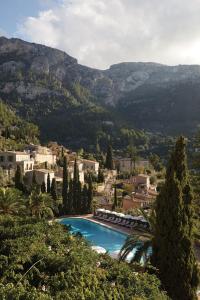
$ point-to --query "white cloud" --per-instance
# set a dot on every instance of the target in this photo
(3, 33)
(103, 32)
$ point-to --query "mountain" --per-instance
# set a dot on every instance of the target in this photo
(15, 132)
(76, 105)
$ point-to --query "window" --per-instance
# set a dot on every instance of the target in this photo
(10, 158)
(1, 158)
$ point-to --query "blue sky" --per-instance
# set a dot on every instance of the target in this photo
(100, 33)
(14, 12)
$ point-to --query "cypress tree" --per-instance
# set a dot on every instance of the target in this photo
(19, 179)
(48, 184)
(79, 198)
(90, 195)
(43, 187)
(109, 158)
(34, 181)
(75, 188)
(66, 208)
(70, 198)
(54, 193)
(173, 254)
(115, 202)
(84, 199)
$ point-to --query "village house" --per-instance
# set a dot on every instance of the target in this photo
(90, 166)
(126, 165)
(137, 200)
(41, 154)
(10, 159)
(59, 172)
(40, 176)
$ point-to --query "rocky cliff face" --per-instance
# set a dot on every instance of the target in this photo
(146, 95)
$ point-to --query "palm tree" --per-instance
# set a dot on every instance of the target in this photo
(41, 205)
(11, 201)
(142, 241)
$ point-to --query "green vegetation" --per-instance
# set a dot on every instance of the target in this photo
(109, 158)
(15, 132)
(173, 242)
(77, 199)
(43, 261)
(19, 179)
(142, 241)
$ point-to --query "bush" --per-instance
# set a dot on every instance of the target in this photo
(43, 261)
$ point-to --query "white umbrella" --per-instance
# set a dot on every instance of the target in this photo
(121, 215)
(99, 249)
(129, 217)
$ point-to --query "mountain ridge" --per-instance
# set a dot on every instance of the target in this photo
(142, 95)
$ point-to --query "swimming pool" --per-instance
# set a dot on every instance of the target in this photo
(97, 234)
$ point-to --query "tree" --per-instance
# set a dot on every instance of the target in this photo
(54, 193)
(43, 187)
(100, 176)
(142, 241)
(173, 252)
(34, 181)
(156, 162)
(90, 195)
(132, 151)
(19, 179)
(66, 206)
(109, 158)
(11, 201)
(70, 198)
(84, 199)
(75, 191)
(48, 184)
(115, 202)
(41, 205)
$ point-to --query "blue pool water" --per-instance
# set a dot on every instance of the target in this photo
(97, 234)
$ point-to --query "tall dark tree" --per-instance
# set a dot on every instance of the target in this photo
(19, 179)
(34, 181)
(66, 208)
(84, 199)
(79, 198)
(173, 252)
(100, 176)
(90, 195)
(43, 187)
(109, 158)
(76, 189)
(54, 193)
(48, 184)
(115, 202)
(70, 198)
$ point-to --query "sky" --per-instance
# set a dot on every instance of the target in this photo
(100, 33)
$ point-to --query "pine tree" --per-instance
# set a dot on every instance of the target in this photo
(43, 187)
(66, 208)
(54, 193)
(19, 179)
(115, 202)
(90, 195)
(109, 158)
(48, 184)
(173, 252)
